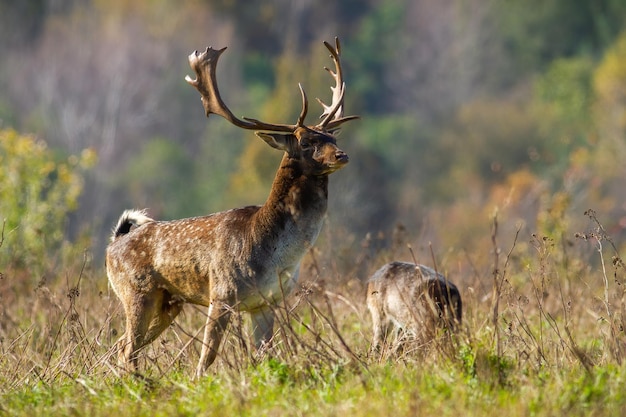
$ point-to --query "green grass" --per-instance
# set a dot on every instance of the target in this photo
(272, 388)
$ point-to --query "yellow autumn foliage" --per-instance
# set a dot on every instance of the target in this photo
(37, 192)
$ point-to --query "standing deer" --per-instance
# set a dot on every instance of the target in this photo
(411, 298)
(242, 259)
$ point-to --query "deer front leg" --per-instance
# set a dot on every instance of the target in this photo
(124, 353)
(217, 321)
(263, 326)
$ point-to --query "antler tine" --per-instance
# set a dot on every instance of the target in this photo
(305, 107)
(205, 66)
(332, 116)
(331, 110)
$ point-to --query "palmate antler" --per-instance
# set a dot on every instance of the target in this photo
(206, 84)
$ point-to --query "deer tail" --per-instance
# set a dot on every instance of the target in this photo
(127, 220)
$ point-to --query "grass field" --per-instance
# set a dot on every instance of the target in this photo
(542, 336)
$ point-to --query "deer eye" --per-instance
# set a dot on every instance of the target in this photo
(305, 146)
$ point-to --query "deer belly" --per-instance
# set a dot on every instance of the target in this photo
(191, 289)
(270, 289)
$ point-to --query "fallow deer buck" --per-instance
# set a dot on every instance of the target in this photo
(411, 298)
(242, 259)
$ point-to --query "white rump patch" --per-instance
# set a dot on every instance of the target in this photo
(135, 217)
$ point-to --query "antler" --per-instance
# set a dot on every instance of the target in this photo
(205, 66)
(332, 116)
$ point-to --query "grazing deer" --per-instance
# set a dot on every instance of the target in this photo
(242, 259)
(412, 298)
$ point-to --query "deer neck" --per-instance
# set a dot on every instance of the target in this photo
(296, 199)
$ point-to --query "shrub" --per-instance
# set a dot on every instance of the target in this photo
(37, 192)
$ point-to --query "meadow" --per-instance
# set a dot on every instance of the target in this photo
(542, 335)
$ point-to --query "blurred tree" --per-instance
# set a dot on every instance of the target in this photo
(113, 76)
(561, 106)
(159, 177)
(609, 84)
(438, 56)
(362, 196)
(456, 97)
(535, 32)
(565, 92)
(373, 53)
(270, 27)
(21, 21)
(489, 140)
(608, 150)
(256, 167)
(37, 191)
(395, 138)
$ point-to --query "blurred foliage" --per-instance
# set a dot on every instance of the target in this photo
(159, 177)
(564, 96)
(37, 192)
(272, 25)
(373, 47)
(488, 141)
(21, 21)
(468, 107)
(537, 32)
(253, 177)
(610, 106)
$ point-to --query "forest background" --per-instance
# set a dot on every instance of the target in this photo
(480, 121)
(467, 107)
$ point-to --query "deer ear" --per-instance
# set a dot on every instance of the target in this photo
(280, 141)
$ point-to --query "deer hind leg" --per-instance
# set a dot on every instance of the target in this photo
(457, 309)
(147, 315)
(216, 324)
(380, 325)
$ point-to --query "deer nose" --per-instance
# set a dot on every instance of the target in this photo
(341, 156)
